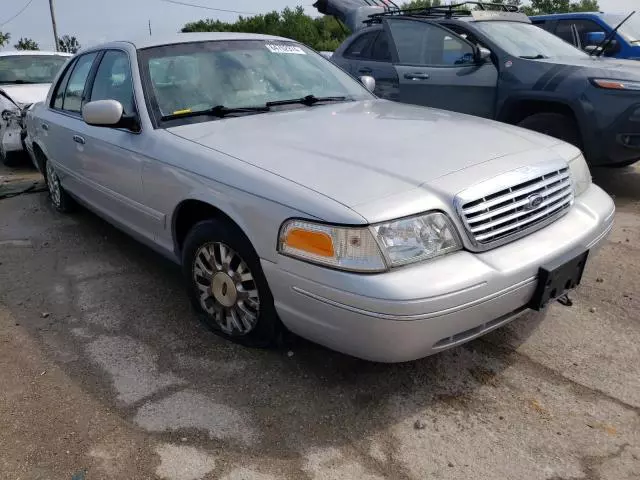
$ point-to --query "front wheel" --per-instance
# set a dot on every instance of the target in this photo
(226, 284)
(555, 125)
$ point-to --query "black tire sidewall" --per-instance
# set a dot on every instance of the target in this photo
(555, 125)
(268, 327)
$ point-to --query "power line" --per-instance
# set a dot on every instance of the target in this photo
(176, 2)
(21, 10)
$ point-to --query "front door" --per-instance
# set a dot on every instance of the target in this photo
(438, 68)
(111, 159)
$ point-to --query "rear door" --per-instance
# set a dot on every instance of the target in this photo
(111, 159)
(438, 68)
(378, 63)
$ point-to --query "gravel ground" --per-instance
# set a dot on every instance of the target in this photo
(106, 373)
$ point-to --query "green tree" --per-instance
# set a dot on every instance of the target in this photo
(420, 4)
(322, 33)
(4, 39)
(26, 44)
(539, 7)
(68, 44)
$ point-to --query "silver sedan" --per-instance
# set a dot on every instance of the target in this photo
(294, 199)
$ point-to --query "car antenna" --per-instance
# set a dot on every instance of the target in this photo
(607, 40)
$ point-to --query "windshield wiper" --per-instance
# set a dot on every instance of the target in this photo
(219, 111)
(309, 100)
(608, 38)
(533, 57)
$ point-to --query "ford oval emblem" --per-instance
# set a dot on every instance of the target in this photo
(534, 201)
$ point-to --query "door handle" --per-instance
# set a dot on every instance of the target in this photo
(416, 76)
(78, 139)
(45, 127)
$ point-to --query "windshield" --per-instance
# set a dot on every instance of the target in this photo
(187, 78)
(526, 40)
(30, 68)
(630, 29)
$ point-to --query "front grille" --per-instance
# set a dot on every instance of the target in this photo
(515, 211)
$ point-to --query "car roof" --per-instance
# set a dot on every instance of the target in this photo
(153, 41)
(13, 53)
(555, 16)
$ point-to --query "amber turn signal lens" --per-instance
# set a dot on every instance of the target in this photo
(316, 243)
(610, 84)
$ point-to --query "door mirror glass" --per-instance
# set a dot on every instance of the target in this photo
(368, 82)
(103, 113)
(484, 54)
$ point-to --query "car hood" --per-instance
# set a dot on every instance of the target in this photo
(618, 68)
(358, 152)
(26, 94)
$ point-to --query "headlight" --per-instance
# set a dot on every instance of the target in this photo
(370, 249)
(345, 248)
(580, 174)
(413, 239)
(611, 84)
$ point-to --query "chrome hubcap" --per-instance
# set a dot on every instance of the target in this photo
(227, 289)
(54, 184)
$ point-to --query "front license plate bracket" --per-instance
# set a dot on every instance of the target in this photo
(558, 277)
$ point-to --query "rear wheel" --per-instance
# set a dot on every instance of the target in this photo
(554, 124)
(60, 199)
(226, 284)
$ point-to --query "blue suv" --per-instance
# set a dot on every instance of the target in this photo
(587, 30)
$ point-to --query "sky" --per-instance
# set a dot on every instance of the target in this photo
(97, 21)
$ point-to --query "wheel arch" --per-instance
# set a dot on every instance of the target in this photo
(193, 210)
(40, 156)
(517, 109)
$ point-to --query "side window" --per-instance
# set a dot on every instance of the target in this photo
(58, 97)
(421, 43)
(361, 46)
(380, 50)
(563, 30)
(586, 30)
(113, 80)
(73, 94)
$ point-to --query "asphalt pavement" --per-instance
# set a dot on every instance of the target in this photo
(105, 373)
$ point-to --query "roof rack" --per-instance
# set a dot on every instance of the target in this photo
(388, 5)
(440, 11)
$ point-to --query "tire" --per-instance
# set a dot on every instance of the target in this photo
(239, 310)
(555, 125)
(60, 199)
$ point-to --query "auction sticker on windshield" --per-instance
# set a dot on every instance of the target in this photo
(280, 48)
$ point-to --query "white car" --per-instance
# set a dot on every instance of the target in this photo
(25, 78)
(293, 197)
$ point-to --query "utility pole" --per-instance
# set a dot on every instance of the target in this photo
(53, 24)
(149, 27)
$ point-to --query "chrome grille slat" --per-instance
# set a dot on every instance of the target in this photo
(518, 204)
(524, 191)
(516, 225)
(536, 198)
(548, 201)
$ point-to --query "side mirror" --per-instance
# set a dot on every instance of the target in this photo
(483, 54)
(107, 113)
(612, 47)
(368, 82)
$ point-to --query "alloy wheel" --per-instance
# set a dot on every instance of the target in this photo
(227, 289)
(53, 183)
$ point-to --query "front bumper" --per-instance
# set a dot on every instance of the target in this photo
(617, 143)
(422, 309)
